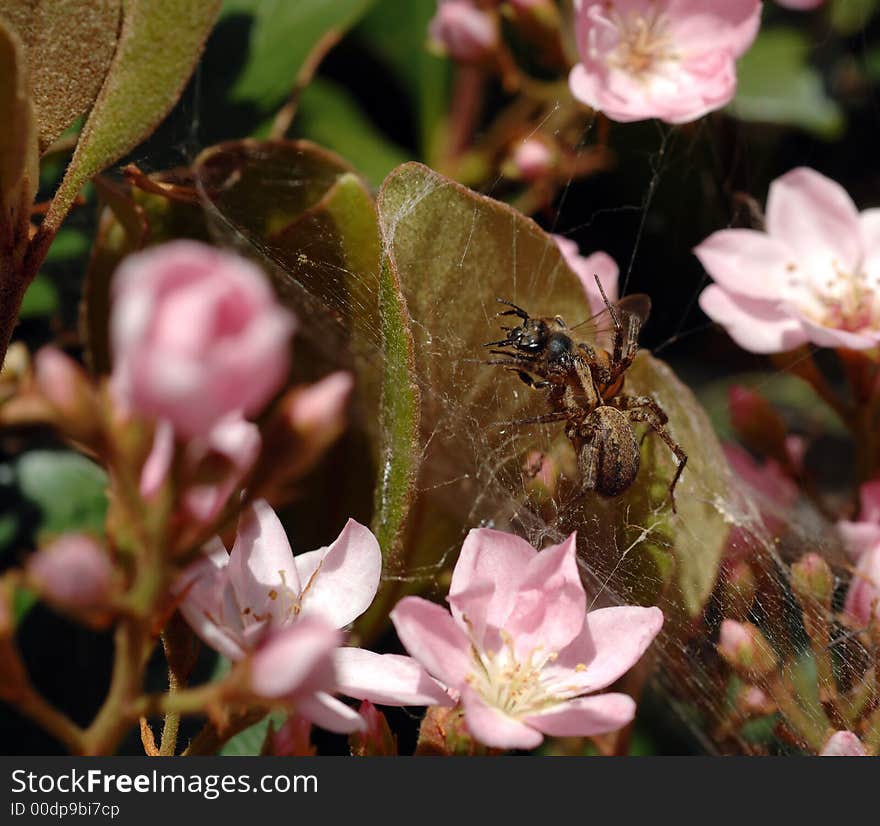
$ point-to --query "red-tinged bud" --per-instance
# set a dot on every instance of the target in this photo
(293, 739)
(74, 574)
(813, 580)
(758, 424)
(745, 649)
(67, 389)
(377, 740)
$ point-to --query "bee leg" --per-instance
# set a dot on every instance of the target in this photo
(527, 379)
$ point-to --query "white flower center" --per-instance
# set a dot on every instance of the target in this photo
(518, 687)
(842, 300)
(644, 44)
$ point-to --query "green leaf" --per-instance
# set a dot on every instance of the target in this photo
(159, 44)
(330, 116)
(283, 37)
(249, 743)
(69, 46)
(849, 17)
(397, 33)
(69, 489)
(19, 173)
(776, 84)
(455, 253)
(41, 298)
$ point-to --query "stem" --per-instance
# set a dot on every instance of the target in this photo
(35, 706)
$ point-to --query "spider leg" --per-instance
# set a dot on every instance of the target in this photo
(546, 418)
(517, 311)
(645, 409)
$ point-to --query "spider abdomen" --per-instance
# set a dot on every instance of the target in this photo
(609, 456)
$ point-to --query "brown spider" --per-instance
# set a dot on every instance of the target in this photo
(584, 385)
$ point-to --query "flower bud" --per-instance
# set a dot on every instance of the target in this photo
(377, 740)
(293, 739)
(863, 597)
(532, 160)
(843, 744)
(758, 424)
(74, 574)
(197, 334)
(812, 579)
(67, 389)
(745, 649)
(738, 588)
(463, 31)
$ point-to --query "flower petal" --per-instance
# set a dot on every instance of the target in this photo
(746, 262)
(612, 641)
(431, 635)
(815, 216)
(586, 716)
(551, 602)
(387, 679)
(294, 659)
(158, 463)
(339, 582)
(261, 567)
(329, 713)
(757, 326)
(486, 579)
(491, 727)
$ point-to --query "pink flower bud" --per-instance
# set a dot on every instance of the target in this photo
(843, 744)
(377, 740)
(463, 31)
(197, 334)
(745, 649)
(812, 579)
(318, 411)
(863, 597)
(65, 386)
(73, 573)
(531, 160)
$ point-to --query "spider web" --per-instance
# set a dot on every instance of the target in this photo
(477, 469)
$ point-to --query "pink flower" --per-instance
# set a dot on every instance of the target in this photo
(197, 334)
(463, 31)
(843, 744)
(668, 59)
(519, 647)
(587, 267)
(73, 572)
(861, 535)
(234, 600)
(814, 275)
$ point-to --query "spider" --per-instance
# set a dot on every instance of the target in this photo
(584, 387)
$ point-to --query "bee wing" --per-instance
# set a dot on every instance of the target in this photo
(632, 311)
